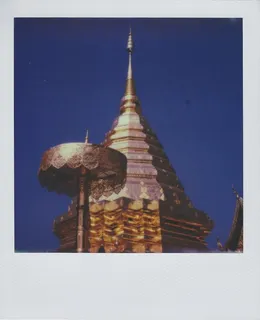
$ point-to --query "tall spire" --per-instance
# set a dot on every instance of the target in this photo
(130, 100)
(130, 88)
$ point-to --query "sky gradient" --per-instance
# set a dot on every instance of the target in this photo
(70, 75)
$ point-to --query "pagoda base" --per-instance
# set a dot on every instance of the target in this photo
(136, 226)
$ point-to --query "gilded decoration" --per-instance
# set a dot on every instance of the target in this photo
(62, 164)
(151, 212)
(82, 169)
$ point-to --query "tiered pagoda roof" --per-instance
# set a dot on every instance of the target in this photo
(152, 211)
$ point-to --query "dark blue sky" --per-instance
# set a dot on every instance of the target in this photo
(70, 76)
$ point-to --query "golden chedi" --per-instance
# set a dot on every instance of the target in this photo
(151, 213)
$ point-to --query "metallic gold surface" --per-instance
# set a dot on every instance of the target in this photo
(150, 177)
(80, 169)
(151, 213)
(130, 100)
(61, 165)
(124, 225)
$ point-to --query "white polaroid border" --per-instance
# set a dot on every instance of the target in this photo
(166, 286)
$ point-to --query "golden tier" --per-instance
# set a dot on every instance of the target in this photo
(151, 213)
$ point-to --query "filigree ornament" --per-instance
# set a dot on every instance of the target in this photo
(62, 165)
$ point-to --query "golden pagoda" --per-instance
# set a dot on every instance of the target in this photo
(151, 213)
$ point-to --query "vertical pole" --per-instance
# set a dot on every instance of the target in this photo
(86, 219)
(82, 208)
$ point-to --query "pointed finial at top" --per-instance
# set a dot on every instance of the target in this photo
(86, 139)
(130, 99)
(130, 44)
(219, 244)
(235, 192)
(130, 88)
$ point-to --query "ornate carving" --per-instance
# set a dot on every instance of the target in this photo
(61, 165)
(134, 219)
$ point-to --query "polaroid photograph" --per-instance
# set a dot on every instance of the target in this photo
(130, 132)
(132, 191)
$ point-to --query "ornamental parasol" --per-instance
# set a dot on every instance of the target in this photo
(82, 169)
